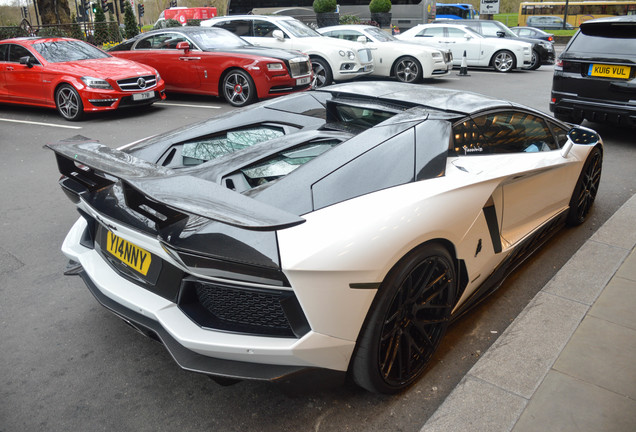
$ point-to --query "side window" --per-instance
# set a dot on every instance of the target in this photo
(560, 134)
(171, 41)
(503, 132)
(264, 29)
(455, 33)
(17, 51)
(489, 29)
(4, 49)
(238, 27)
(145, 43)
(432, 32)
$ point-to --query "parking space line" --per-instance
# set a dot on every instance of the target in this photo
(40, 123)
(188, 105)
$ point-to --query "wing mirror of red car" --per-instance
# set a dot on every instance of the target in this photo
(27, 60)
(183, 46)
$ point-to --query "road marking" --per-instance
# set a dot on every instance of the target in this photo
(188, 105)
(40, 123)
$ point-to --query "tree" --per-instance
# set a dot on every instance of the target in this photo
(101, 28)
(54, 11)
(76, 30)
(129, 22)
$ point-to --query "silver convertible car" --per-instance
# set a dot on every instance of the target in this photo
(340, 229)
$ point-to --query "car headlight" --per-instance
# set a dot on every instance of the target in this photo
(349, 54)
(97, 83)
(437, 55)
(158, 76)
(546, 45)
(275, 66)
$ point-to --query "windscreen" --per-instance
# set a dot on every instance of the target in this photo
(217, 39)
(65, 51)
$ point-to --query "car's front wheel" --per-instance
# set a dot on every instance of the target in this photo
(408, 70)
(407, 320)
(503, 61)
(535, 63)
(322, 72)
(238, 88)
(68, 102)
(586, 188)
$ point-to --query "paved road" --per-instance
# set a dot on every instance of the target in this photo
(68, 364)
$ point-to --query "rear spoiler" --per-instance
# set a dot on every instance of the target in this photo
(159, 193)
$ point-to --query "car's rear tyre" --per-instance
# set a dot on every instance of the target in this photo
(586, 188)
(503, 61)
(238, 88)
(408, 70)
(406, 322)
(322, 73)
(69, 103)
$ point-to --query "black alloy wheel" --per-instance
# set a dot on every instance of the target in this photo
(407, 321)
(586, 188)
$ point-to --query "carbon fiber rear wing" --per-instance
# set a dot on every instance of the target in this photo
(159, 193)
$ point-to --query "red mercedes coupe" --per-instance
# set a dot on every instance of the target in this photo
(213, 61)
(73, 76)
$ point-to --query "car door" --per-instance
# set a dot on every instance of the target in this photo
(178, 68)
(24, 83)
(4, 49)
(520, 152)
(460, 41)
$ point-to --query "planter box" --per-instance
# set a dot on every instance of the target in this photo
(382, 18)
(326, 19)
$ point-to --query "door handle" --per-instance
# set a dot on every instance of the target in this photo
(189, 58)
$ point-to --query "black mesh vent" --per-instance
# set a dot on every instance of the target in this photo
(242, 309)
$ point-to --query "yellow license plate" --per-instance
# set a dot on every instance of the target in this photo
(131, 255)
(609, 71)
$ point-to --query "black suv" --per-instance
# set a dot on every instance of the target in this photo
(542, 51)
(595, 77)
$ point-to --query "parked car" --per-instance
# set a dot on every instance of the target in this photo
(216, 62)
(542, 51)
(595, 76)
(502, 54)
(531, 32)
(331, 59)
(405, 61)
(339, 229)
(73, 76)
(547, 22)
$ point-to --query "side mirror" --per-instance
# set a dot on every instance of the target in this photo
(185, 46)
(27, 60)
(362, 39)
(467, 37)
(579, 135)
(278, 34)
(501, 34)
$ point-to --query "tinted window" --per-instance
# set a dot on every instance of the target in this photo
(17, 51)
(238, 27)
(264, 28)
(161, 41)
(502, 132)
(4, 49)
(616, 40)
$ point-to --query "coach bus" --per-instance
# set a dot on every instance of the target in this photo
(456, 11)
(578, 11)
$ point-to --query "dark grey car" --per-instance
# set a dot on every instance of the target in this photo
(595, 77)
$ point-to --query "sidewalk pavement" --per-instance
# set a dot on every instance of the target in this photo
(568, 361)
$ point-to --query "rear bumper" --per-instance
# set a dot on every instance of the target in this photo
(623, 114)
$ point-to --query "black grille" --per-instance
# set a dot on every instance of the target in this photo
(243, 310)
(243, 307)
